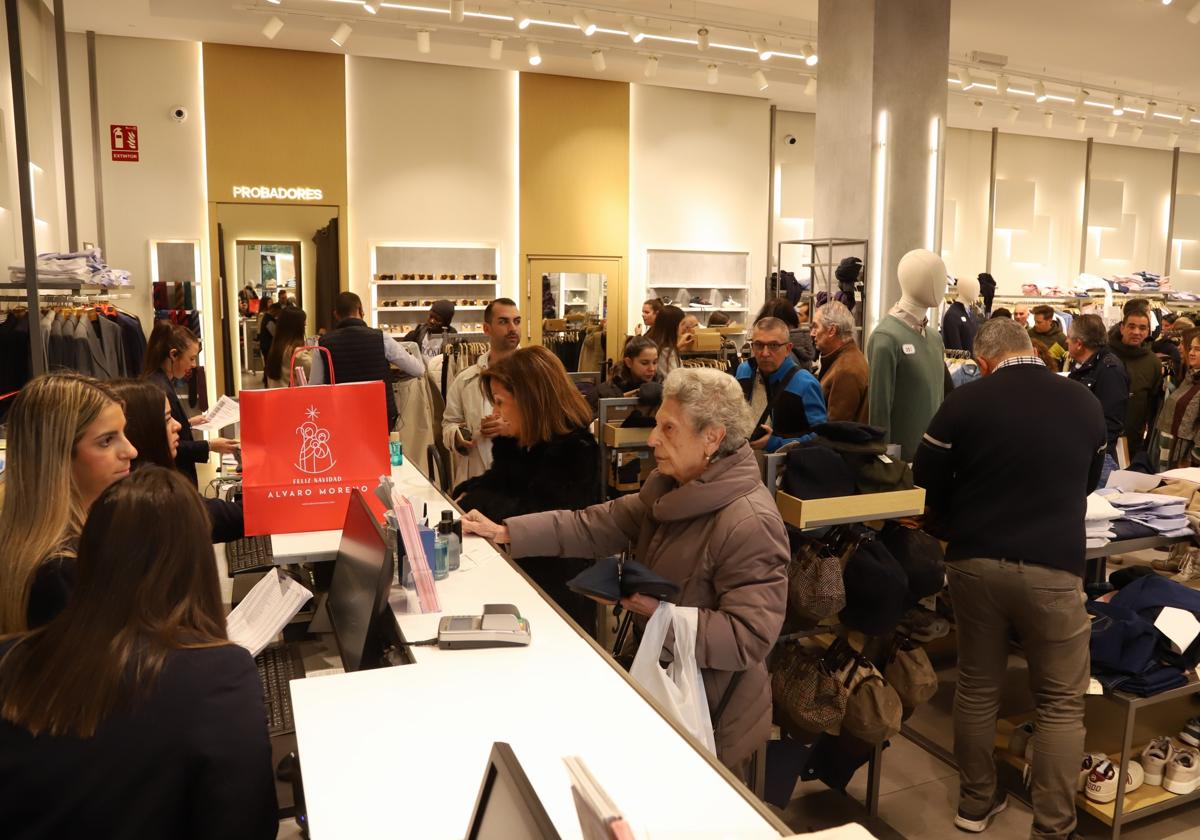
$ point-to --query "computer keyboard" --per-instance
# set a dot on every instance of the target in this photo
(249, 554)
(276, 666)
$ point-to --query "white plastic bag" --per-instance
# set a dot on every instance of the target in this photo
(678, 687)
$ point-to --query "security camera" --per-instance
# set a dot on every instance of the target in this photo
(790, 139)
(179, 113)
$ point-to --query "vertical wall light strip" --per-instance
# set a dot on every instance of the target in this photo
(513, 280)
(932, 181)
(207, 229)
(878, 196)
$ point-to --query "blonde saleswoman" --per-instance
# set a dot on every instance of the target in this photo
(704, 520)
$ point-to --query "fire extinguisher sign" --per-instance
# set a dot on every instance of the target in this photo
(124, 142)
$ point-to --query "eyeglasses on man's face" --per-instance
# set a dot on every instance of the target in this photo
(769, 346)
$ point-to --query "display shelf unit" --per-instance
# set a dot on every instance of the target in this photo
(1131, 806)
(576, 293)
(816, 262)
(674, 274)
(390, 260)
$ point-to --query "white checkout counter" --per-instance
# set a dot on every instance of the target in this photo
(401, 751)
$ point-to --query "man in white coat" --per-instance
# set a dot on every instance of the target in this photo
(469, 422)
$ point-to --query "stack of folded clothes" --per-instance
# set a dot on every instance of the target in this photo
(1099, 521)
(1157, 514)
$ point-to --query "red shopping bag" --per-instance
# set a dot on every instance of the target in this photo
(305, 449)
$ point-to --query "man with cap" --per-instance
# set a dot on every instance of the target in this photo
(1015, 563)
(430, 335)
(362, 354)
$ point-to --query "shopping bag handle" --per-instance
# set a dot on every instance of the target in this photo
(292, 364)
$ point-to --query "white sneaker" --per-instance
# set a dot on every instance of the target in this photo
(1183, 772)
(1102, 783)
(1089, 764)
(1155, 758)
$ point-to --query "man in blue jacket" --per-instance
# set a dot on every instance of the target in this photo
(786, 399)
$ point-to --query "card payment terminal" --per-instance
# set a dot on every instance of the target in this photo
(500, 625)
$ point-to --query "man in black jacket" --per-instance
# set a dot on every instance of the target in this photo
(1095, 366)
(362, 354)
(1015, 562)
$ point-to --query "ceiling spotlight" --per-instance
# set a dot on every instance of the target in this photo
(423, 44)
(1080, 97)
(712, 74)
(272, 27)
(810, 55)
(535, 55)
(1119, 106)
(636, 35)
(810, 88)
(702, 38)
(341, 34)
(1002, 85)
(964, 79)
(496, 49)
(1048, 120)
(651, 66)
(274, 2)
(1014, 111)
(1039, 91)
(458, 10)
(371, 8)
(1172, 138)
(1112, 129)
(585, 25)
(760, 46)
(521, 17)
(1166, 2)
(760, 80)
(1080, 124)
(977, 107)
(598, 63)
(1194, 15)
(1136, 134)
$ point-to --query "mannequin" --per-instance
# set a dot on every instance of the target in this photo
(959, 324)
(907, 358)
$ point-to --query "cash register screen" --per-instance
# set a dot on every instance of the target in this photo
(361, 579)
(508, 808)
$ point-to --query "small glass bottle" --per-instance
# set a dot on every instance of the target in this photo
(453, 543)
(441, 548)
(395, 449)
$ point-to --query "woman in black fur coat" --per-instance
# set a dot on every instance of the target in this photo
(550, 462)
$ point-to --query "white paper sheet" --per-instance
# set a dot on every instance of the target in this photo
(225, 413)
(265, 610)
(1180, 626)
(1132, 482)
(1191, 474)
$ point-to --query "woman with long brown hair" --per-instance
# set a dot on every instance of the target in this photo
(289, 337)
(151, 428)
(66, 444)
(171, 354)
(131, 714)
(665, 334)
(550, 462)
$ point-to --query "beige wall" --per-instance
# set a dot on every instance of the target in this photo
(574, 176)
(453, 181)
(965, 201)
(274, 118)
(699, 181)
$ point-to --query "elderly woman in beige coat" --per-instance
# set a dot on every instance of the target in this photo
(704, 520)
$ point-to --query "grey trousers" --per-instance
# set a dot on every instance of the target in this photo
(1045, 608)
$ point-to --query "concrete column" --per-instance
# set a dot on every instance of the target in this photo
(881, 116)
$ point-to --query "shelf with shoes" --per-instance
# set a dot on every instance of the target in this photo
(406, 277)
(1126, 806)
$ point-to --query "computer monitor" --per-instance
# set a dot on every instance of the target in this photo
(508, 808)
(358, 593)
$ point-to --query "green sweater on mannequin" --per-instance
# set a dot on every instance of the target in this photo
(907, 381)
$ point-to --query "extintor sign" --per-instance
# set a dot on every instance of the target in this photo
(124, 142)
